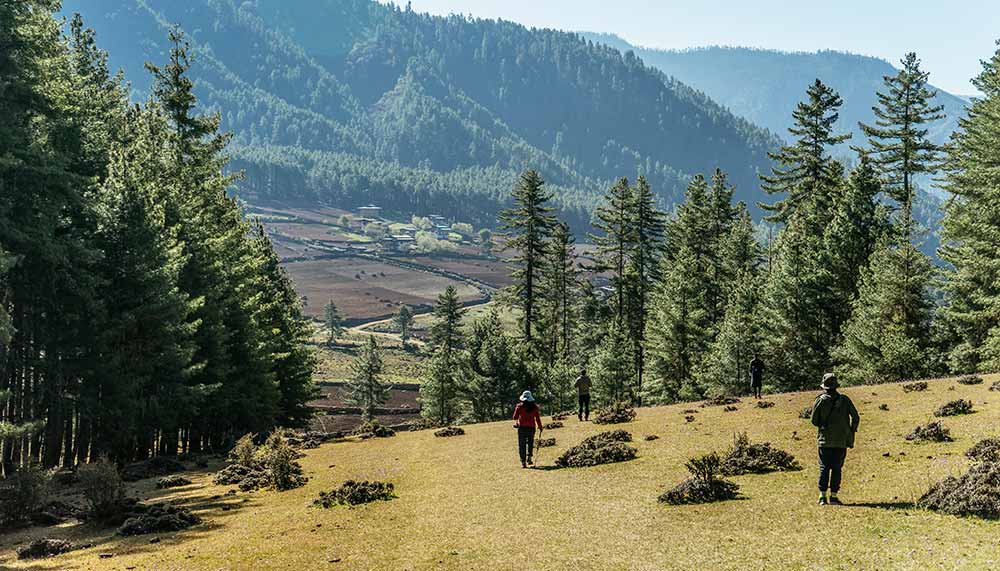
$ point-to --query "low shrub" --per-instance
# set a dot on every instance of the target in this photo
(704, 485)
(975, 493)
(915, 387)
(545, 442)
(22, 494)
(356, 493)
(173, 481)
(615, 413)
(102, 487)
(560, 416)
(986, 450)
(764, 404)
(745, 457)
(729, 408)
(806, 413)
(883, 407)
(970, 380)
(273, 465)
(995, 386)
(421, 424)
(152, 468)
(372, 429)
(689, 418)
(603, 448)
(449, 431)
(954, 408)
(157, 518)
(45, 547)
(551, 425)
(721, 400)
(650, 437)
(930, 432)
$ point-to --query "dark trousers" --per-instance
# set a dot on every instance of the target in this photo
(525, 442)
(584, 411)
(831, 463)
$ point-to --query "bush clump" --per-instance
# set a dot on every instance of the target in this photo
(273, 465)
(765, 404)
(603, 448)
(157, 518)
(729, 408)
(356, 493)
(449, 431)
(975, 493)
(987, 450)
(372, 429)
(551, 425)
(915, 387)
(172, 481)
(102, 487)
(615, 413)
(930, 432)
(560, 416)
(970, 380)
(22, 494)
(883, 407)
(721, 400)
(704, 486)
(545, 442)
(650, 437)
(45, 547)
(689, 418)
(152, 468)
(995, 386)
(745, 457)
(954, 408)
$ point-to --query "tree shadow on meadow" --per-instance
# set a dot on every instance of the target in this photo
(95, 538)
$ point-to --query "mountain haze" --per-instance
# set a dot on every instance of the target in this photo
(351, 101)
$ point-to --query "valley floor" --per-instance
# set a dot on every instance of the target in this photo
(465, 503)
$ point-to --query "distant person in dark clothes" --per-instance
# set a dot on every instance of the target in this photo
(526, 417)
(837, 420)
(756, 375)
(583, 385)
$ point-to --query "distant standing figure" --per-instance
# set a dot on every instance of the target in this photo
(527, 416)
(583, 385)
(756, 375)
(837, 420)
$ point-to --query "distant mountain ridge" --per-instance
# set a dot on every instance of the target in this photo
(764, 85)
(352, 101)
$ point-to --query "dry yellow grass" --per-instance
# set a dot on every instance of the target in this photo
(465, 503)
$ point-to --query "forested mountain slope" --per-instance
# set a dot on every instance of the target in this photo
(763, 86)
(351, 101)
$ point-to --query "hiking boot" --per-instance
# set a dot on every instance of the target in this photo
(822, 501)
(523, 465)
(835, 502)
(530, 463)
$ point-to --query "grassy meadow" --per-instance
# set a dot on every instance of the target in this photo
(465, 503)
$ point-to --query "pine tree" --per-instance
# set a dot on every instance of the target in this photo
(805, 172)
(528, 225)
(676, 334)
(561, 283)
(898, 140)
(403, 321)
(440, 390)
(888, 335)
(446, 332)
(617, 240)
(648, 228)
(725, 369)
(365, 387)
(971, 229)
(333, 322)
(496, 369)
(612, 367)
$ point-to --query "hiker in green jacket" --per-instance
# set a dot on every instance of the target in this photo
(837, 420)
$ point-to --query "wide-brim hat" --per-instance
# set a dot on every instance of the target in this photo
(526, 397)
(829, 381)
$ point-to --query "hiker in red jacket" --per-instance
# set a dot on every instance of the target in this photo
(526, 417)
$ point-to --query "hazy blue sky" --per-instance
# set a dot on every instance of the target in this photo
(950, 36)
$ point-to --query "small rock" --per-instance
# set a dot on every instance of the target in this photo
(154, 540)
(106, 555)
(886, 455)
(334, 560)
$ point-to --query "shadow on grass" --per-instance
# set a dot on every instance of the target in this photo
(98, 538)
(881, 505)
